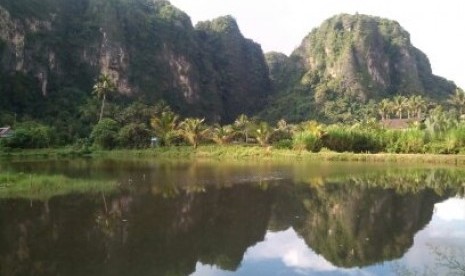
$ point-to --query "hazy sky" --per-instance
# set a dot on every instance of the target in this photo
(436, 27)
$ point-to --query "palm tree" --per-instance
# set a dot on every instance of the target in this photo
(193, 130)
(222, 134)
(313, 127)
(283, 130)
(438, 122)
(165, 126)
(399, 103)
(103, 86)
(408, 106)
(458, 100)
(384, 107)
(418, 104)
(262, 132)
(242, 124)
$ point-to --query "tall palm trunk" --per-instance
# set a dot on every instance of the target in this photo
(101, 109)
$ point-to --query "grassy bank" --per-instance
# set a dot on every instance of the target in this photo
(239, 152)
(41, 186)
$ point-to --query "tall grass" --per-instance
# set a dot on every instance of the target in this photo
(405, 141)
(305, 140)
(38, 186)
(342, 139)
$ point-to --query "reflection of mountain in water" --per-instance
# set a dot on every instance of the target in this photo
(359, 226)
(166, 231)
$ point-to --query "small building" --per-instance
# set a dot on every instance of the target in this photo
(6, 132)
(399, 123)
(154, 142)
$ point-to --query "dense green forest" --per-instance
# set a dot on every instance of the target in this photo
(114, 74)
(426, 129)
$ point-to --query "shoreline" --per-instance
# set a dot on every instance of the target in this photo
(237, 152)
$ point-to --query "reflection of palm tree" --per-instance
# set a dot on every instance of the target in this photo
(165, 126)
(103, 86)
(193, 130)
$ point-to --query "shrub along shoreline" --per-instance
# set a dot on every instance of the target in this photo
(236, 152)
(440, 133)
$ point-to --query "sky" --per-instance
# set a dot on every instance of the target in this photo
(435, 27)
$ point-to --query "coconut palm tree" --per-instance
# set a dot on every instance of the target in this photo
(399, 103)
(165, 126)
(418, 105)
(282, 131)
(313, 127)
(409, 106)
(102, 87)
(438, 122)
(384, 107)
(222, 134)
(193, 130)
(242, 124)
(262, 132)
(458, 100)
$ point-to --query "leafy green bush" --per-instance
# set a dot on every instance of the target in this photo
(283, 144)
(452, 142)
(105, 134)
(412, 141)
(390, 141)
(134, 136)
(29, 136)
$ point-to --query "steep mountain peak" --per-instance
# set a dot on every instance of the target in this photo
(367, 56)
(352, 59)
(149, 48)
(223, 24)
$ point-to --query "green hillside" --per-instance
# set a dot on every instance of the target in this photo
(344, 64)
(51, 53)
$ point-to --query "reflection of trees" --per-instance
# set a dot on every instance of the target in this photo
(451, 259)
(36, 243)
(171, 218)
(215, 227)
(146, 235)
(448, 260)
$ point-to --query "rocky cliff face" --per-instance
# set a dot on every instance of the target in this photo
(239, 68)
(149, 48)
(359, 58)
(368, 56)
(52, 51)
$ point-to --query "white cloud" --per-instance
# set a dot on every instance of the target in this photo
(208, 270)
(449, 210)
(290, 249)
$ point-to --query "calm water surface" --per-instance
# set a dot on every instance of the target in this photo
(145, 217)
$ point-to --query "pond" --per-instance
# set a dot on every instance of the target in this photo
(148, 217)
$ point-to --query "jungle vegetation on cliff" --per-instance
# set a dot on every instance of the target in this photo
(348, 87)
